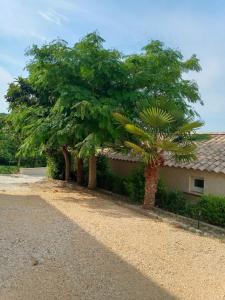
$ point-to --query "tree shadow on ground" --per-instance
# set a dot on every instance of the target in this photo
(96, 202)
(73, 264)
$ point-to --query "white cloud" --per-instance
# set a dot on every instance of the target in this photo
(5, 79)
(52, 16)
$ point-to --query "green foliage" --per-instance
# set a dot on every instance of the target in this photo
(172, 201)
(33, 162)
(132, 186)
(161, 194)
(8, 169)
(211, 209)
(109, 181)
(157, 73)
(7, 143)
(136, 185)
(153, 132)
(21, 92)
(70, 92)
(55, 165)
(10, 142)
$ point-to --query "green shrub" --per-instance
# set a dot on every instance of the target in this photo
(209, 208)
(109, 181)
(8, 169)
(136, 185)
(55, 164)
(33, 162)
(176, 202)
(161, 194)
(212, 209)
(132, 186)
(172, 201)
(192, 210)
(104, 174)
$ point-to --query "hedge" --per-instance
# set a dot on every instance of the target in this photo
(109, 181)
(210, 209)
(8, 169)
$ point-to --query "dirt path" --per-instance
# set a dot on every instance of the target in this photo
(58, 243)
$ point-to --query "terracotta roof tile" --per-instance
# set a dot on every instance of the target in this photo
(210, 156)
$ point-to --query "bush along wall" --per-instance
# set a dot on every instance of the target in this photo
(136, 185)
(209, 209)
(109, 181)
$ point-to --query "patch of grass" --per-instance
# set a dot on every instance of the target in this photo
(8, 169)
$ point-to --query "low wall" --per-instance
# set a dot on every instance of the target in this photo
(40, 172)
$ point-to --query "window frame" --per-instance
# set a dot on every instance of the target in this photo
(195, 189)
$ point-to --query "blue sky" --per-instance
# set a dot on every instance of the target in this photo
(188, 25)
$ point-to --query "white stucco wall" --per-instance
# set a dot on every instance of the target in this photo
(121, 167)
(180, 179)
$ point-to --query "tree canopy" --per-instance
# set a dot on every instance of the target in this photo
(67, 99)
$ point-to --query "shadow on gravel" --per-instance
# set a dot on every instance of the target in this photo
(94, 201)
(75, 265)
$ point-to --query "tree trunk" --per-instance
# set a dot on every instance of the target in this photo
(79, 171)
(151, 182)
(67, 163)
(92, 173)
(18, 162)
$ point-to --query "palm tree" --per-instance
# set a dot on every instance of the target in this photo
(155, 134)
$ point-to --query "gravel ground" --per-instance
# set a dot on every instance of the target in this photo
(61, 243)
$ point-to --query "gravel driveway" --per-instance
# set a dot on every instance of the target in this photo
(61, 243)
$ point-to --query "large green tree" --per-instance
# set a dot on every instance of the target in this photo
(20, 93)
(8, 143)
(67, 99)
(86, 73)
(158, 74)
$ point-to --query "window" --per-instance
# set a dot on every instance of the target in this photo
(197, 185)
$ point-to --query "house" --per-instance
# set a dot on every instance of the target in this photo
(205, 175)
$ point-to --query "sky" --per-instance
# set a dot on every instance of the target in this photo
(190, 26)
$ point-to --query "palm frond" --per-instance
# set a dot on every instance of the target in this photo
(121, 118)
(154, 134)
(88, 146)
(167, 145)
(136, 148)
(189, 127)
(186, 149)
(155, 117)
(137, 131)
(184, 157)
